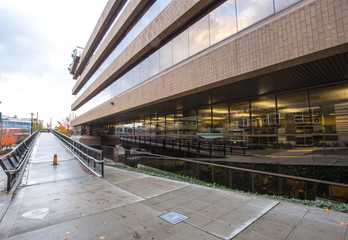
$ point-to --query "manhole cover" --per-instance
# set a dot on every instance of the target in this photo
(173, 217)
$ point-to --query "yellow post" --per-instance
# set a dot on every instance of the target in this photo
(55, 159)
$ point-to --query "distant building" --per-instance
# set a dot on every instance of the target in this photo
(17, 125)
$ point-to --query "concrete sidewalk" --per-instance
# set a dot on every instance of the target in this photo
(68, 202)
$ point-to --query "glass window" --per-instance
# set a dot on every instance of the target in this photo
(295, 117)
(223, 22)
(281, 4)
(251, 11)
(154, 64)
(170, 125)
(180, 47)
(330, 109)
(153, 126)
(161, 125)
(199, 36)
(239, 123)
(204, 120)
(263, 115)
(221, 119)
(144, 70)
(186, 124)
(147, 124)
(136, 75)
(166, 56)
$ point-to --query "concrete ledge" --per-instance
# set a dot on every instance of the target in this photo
(88, 140)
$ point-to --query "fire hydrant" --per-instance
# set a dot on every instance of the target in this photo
(55, 162)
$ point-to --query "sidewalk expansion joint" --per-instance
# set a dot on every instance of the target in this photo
(56, 181)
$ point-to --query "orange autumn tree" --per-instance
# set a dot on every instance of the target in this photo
(64, 126)
(8, 140)
(62, 129)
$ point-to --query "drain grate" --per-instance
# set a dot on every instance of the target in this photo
(173, 217)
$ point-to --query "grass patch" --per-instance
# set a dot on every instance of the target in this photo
(6, 151)
(343, 207)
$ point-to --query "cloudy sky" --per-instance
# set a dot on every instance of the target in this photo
(37, 38)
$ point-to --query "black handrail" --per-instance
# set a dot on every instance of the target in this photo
(13, 162)
(201, 147)
(92, 158)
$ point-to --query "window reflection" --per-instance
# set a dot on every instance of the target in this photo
(221, 119)
(199, 36)
(223, 22)
(186, 124)
(251, 11)
(154, 64)
(180, 47)
(281, 4)
(166, 56)
(204, 119)
(170, 125)
(295, 117)
(263, 115)
(239, 122)
(144, 70)
(330, 111)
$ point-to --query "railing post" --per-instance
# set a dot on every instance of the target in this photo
(210, 149)
(224, 149)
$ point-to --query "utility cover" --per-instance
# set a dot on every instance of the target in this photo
(173, 217)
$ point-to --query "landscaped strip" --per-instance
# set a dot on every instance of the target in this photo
(326, 205)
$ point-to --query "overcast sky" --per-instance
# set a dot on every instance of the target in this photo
(37, 38)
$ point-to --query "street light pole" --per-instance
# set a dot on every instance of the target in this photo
(31, 128)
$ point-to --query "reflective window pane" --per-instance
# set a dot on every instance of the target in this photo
(263, 115)
(199, 36)
(204, 120)
(294, 116)
(221, 119)
(223, 22)
(281, 4)
(239, 122)
(166, 56)
(136, 75)
(251, 11)
(144, 70)
(180, 47)
(154, 64)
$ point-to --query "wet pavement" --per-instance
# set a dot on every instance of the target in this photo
(68, 202)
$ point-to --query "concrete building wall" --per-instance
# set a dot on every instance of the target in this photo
(170, 19)
(310, 30)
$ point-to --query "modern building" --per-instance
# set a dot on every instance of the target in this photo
(255, 73)
(16, 123)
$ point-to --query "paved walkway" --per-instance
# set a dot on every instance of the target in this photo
(68, 202)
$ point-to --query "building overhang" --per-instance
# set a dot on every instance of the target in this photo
(321, 72)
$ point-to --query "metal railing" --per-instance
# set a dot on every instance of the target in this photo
(13, 162)
(200, 147)
(92, 158)
(248, 180)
